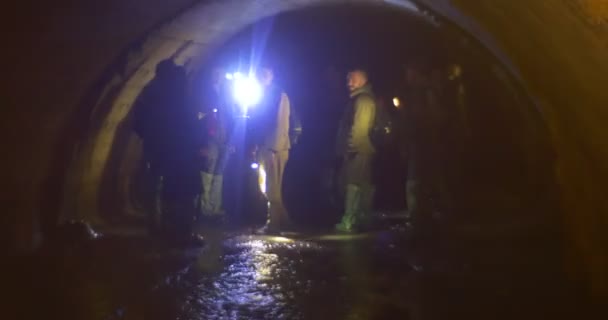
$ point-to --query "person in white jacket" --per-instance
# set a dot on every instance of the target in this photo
(271, 130)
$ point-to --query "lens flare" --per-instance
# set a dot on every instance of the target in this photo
(247, 91)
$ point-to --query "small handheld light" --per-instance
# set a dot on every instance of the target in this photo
(396, 102)
(255, 166)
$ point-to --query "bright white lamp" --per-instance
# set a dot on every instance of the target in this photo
(247, 91)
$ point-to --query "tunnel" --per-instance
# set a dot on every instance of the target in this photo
(77, 70)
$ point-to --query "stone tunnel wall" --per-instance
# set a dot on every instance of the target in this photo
(60, 53)
(557, 48)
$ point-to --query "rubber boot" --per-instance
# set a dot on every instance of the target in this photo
(215, 196)
(153, 201)
(364, 216)
(411, 190)
(352, 205)
(158, 199)
(273, 223)
(205, 206)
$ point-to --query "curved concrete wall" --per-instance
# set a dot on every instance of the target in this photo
(66, 110)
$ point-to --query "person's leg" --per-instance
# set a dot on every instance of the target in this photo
(411, 186)
(270, 166)
(421, 185)
(281, 158)
(411, 189)
(365, 214)
(207, 181)
(179, 191)
(216, 195)
(217, 185)
(352, 200)
(153, 197)
(352, 197)
(273, 166)
(364, 179)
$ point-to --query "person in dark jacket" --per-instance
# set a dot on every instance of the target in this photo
(356, 150)
(166, 124)
(423, 124)
(150, 111)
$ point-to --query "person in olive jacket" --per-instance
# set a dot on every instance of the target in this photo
(356, 151)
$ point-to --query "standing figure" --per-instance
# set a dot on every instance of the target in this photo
(424, 126)
(357, 151)
(166, 125)
(216, 120)
(269, 131)
(150, 111)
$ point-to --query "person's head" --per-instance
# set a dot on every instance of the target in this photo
(418, 72)
(356, 79)
(454, 71)
(266, 75)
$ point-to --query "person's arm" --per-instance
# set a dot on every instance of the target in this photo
(295, 125)
(365, 111)
(278, 126)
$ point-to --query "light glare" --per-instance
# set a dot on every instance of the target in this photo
(281, 240)
(247, 91)
(396, 102)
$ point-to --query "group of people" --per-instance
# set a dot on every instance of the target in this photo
(426, 130)
(189, 138)
(434, 131)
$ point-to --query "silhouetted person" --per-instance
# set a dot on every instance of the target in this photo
(167, 128)
(182, 182)
(421, 136)
(150, 111)
(357, 151)
(459, 127)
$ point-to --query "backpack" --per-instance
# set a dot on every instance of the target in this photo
(382, 127)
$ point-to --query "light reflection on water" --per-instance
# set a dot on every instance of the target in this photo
(251, 283)
(255, 277)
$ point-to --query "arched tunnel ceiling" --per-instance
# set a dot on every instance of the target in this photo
(558, 49)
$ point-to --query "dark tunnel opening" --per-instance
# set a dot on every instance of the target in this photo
(504, 170)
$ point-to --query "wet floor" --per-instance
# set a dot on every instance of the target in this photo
(380, 275)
